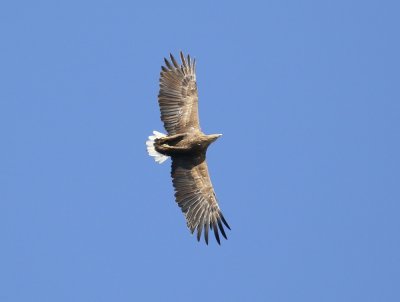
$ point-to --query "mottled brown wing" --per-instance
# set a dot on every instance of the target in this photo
(178, 98)
(195, 196)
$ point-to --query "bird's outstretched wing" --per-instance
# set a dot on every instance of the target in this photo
(178, 98)
(195, 196)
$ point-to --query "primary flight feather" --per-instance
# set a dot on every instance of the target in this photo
(187, 145)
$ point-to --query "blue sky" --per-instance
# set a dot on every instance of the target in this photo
(307, 96)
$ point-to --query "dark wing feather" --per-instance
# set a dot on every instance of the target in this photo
(178, 98)
(195, 196)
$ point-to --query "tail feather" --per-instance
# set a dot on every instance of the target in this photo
(158, 157)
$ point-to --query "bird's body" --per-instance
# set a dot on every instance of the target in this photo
(187, 145)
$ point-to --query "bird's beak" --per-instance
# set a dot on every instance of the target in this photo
(215, 136)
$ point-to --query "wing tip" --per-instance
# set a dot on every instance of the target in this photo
(187, 62)
(216, 226)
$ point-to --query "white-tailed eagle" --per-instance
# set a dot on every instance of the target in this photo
(187, 145)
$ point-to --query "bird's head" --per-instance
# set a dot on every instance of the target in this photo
(213, 137)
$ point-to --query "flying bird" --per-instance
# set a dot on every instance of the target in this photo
(186, 145)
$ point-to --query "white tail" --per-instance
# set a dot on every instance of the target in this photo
(158, 157)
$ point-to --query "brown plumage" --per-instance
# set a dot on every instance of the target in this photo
(187, 145)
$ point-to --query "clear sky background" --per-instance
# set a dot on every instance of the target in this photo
(307, 96)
